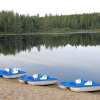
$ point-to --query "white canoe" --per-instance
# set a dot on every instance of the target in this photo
(84, 89)
(35, 79)
(46, 82)
(81, 85)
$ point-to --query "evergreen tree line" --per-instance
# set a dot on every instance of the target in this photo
(16, 23)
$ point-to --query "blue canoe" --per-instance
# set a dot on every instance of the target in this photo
(38, 80)
(2, 72)
(11, 72)
(81, 85)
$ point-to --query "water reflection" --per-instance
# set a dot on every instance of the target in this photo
(15, 44)
(66, 56)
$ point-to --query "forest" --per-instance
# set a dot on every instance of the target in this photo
(15, 23)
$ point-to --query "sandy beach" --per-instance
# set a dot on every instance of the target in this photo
(13, 90)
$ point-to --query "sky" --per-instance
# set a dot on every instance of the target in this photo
(64, 7)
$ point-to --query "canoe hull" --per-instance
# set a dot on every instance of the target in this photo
(61, 86)
(13, 76)
(84, 89)
(22, 81)
(42, 82)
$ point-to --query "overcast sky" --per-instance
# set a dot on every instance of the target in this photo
(32, 7)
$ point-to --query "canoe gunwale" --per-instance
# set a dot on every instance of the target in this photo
(13, 76)
(48, 82)
(84, 89)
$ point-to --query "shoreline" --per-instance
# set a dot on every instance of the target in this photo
(11, 89)
(48, 33)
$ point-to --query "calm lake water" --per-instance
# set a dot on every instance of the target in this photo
(67, 57)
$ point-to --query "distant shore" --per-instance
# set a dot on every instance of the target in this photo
(13, 90)
(50, 33)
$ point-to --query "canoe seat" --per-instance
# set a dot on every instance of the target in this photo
(44, 77)
(88, 83)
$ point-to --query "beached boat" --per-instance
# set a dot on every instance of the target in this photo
(38, 79)
(2, 72)
(12, 72)
(81, 86)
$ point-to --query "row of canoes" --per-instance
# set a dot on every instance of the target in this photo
(44, 79)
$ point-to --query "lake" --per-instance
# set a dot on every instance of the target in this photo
(66, 56)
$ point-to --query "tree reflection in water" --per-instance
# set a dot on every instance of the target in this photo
(14, 44)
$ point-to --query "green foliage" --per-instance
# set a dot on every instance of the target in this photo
(15, 23)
